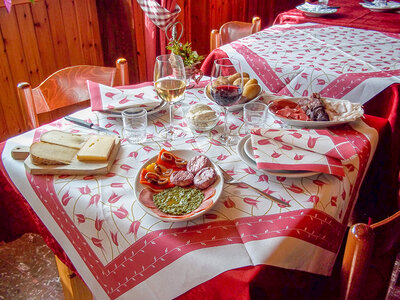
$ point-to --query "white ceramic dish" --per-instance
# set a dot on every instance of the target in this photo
(233, 107)
(391, 5)
(244, 148)
(315, 10)
(314, 124)
(186, 154)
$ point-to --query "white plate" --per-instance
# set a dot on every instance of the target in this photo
(233, 107)
(313, 124)
(150, 111)
(311, 10)
(244, 147)
(391, 5)
(186, 154)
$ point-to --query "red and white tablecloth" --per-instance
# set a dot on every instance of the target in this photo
(121, 251)
(300, 59)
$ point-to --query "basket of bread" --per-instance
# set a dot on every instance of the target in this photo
(251, 89)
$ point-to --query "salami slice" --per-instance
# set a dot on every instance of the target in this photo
(146, 198)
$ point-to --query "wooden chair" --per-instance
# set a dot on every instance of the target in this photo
(369, 249)
(232, 31)
(62, 93)
(65, 91)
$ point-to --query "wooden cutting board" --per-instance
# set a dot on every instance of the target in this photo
(75, 168)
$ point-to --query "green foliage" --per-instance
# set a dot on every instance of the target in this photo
(185, 51)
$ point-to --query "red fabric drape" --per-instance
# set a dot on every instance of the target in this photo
(155, 38)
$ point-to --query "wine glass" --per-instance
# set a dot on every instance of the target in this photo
(226, 86)
(170, 85)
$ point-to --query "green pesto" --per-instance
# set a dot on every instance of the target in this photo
(178, 201)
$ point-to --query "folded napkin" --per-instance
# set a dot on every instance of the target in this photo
(104, 97)
(300, 149)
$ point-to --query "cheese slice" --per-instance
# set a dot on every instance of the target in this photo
(63, 138)
(97, 148)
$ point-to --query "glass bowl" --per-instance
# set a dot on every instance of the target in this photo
(202, 117)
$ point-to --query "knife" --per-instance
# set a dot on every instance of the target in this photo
(88, 125)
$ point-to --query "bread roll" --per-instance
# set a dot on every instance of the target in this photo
(233, 77)
(221, 81)
(251, 81)
(51, 154)
(251, 91)
(245, 74)
(245, 80)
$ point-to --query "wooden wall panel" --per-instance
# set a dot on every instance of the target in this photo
(38, 39)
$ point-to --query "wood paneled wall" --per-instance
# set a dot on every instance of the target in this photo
(36, 39)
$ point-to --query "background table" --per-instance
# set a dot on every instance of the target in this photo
(339, 62)
(237, 209)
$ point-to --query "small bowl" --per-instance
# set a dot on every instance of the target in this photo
(202, 125)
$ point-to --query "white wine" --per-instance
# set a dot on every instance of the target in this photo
(170, 89)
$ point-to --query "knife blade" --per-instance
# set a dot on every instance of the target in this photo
(88, 125)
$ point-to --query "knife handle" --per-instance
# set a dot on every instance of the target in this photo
(78, 121)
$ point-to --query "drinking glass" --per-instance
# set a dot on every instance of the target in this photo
(170, 85)
(135, 124)
(254, 114)
(323, 4)
(226, 85)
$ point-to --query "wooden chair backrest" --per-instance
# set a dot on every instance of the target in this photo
(232, 31)
(65, 91)
(364, 242)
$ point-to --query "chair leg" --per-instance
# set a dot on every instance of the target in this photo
(74, 288)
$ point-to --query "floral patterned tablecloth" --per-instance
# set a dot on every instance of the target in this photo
(121, 251)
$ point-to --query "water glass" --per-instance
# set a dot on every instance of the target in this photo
(380, 3)
(323, 4)
(135, 125)
(254, 114)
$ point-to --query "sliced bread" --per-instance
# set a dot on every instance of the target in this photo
(51, 154)
(63, 138)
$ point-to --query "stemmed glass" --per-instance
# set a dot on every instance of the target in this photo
(170, 85)
(226, 86)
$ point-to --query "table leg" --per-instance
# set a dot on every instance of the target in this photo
(74, 288)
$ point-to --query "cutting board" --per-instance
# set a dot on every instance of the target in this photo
(75, 168)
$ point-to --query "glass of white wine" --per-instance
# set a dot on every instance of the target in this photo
(170, 85)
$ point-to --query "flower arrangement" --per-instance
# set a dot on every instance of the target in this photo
(185, 51)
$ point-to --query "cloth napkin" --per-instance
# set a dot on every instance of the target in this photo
(103, 97)
(301, 149)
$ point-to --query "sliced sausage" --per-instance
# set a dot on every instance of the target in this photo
(205, 178)
(182, 178)
(146, 198)
(197, 163)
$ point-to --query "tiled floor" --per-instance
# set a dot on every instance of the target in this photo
(28, 270)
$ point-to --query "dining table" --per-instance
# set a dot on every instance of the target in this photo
(245, 246)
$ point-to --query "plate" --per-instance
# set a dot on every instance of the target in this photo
(186, 154)
(322, 124)
(391, 5)
(150, 112)
(244, 148)
(233, 107)
(311, 10)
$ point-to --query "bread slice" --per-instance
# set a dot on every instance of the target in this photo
(63, 138)
(51, 154)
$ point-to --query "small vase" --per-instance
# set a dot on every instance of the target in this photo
(193, 73)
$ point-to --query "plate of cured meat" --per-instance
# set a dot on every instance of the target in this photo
(315, 111)
(178, 185)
